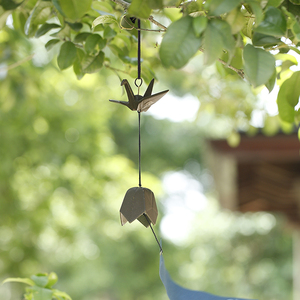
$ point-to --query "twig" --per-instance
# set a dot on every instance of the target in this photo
(125, 6)
(157, 23)
(140, 29)
(240, 72)
(18, 63)
(116, 70)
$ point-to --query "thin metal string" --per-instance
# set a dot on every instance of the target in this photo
(140, 172)
(139, 49)
(139, 117)
(139, 113)
(159, 245)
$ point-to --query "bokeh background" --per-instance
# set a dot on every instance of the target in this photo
(68, 156)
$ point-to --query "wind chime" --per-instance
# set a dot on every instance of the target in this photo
(139, 202)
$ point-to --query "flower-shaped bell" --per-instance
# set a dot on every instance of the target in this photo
(139, 203)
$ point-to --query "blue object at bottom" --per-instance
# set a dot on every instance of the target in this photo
(176, 292)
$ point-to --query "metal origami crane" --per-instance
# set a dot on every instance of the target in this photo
(138, 102)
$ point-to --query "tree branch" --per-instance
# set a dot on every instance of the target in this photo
(18, 63)
(240, 72)
(125, 6)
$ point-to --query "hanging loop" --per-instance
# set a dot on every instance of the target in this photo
(138, 82)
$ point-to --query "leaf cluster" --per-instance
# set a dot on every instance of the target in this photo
(41, 287)
(65, 167)
(245, 35)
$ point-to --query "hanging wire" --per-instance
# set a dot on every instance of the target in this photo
(140, 172)
(159, 245)
(138, 86)
(138, 82)
(139, 49)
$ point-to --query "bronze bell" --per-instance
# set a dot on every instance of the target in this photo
(139, 203)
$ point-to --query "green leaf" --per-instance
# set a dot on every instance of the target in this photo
(274, 3)
(109, 33)
(21, 280)
(52, 279)
(292, 87)
(140, 9)
(66, 56)
(39, 15)
(199, 25)
(296, 30)
(286, 111)
(72, 9)
(155, 4)
(260, 39)
(296, 2)
(57, 293)
(179, 43)
(50, 44)
(218, 7)
(9, 4)
(274, 23)
(40, 293)
(102, 6)
(92, 64)
(3, 17)
(256, 10)
(259, 65)
(216, 37)
(63, 33)
(40, 280)
(271, 82)
(213, 44)
(77, 65)
(125, 39)
(92, 41)
(126, 23)
(105, 19)
(81, 37)
(45, 28)
(75, 26)
(287, 57)
(236, 20)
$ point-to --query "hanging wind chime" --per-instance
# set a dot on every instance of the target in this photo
(139, 202)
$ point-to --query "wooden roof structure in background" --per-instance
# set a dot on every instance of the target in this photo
(261, 174)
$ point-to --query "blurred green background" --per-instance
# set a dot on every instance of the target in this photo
(68, 156)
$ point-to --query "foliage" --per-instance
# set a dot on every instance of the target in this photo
(67, 157)
(41, 287)
(246, 36)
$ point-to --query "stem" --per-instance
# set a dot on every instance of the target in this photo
(125, 6)
(18, 63)
(240, 72)
(116, 70)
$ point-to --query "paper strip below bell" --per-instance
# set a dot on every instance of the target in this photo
(176, 292)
